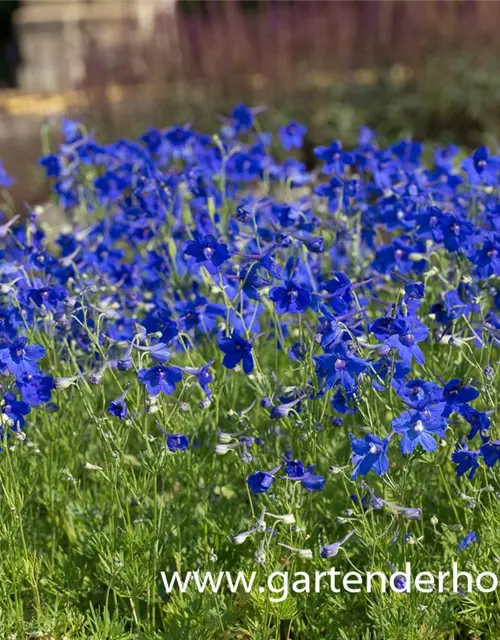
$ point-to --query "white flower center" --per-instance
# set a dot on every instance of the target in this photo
(419, 426)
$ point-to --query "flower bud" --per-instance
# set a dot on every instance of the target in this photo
(261, 526)
(260, 556)
(305, 554)
(92, 467)
(65, 383)
(222, 449)
(240, 538)
(412, 513)
(287, 518)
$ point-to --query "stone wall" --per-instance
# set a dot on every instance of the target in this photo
(55, 37)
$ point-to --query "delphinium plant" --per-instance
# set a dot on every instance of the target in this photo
(229, 363)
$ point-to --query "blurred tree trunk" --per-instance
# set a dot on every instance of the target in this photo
(9, 50)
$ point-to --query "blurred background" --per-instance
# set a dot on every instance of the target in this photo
(424, 68)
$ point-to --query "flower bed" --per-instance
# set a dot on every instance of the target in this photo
(231, 363)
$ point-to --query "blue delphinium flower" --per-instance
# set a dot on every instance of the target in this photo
(482, 167)
(339, 292)
(410, 513)
(203, 377)
(400, 582)
(236, 350)
(383, 328)
(331, 550)
(282, 410)
(153, 139)
(329, 329)
(420, 427)
(443, 156)
(297, 352)
(311, 481)
(19, 358)
(405, 340)
(14, 409)
(419, 394)
(344, 402)
(295, 470)
(206, 251)
(490, 452)
(169, 331)
(243, 117)
(5, 180)
(478, 420)
(402, 335)
(118, 407)
(292, 135)
(408, 152)
(375, 502)
(386, 368)
(456, 232)
(456, 393)
(456, 304)
(486, 259)
(369, 453)
(71, 130)
(199, 314)
(402, 256)
(339, 366)
(415, 290)
(334, 158)
(467, 461)
(412, 299)
(177, 138)
(52, 165)
(158, 351)
(469, 539)
(174, 441)
(177, 442)
(292, 298)
(160, 379)
(313, 244)
(35, 389)
(293, 172)
(244, 166)
(332, 191)
(124, 363)
(261, 481)
(48, 297)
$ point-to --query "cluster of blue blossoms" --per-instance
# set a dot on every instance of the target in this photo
(211, 247)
